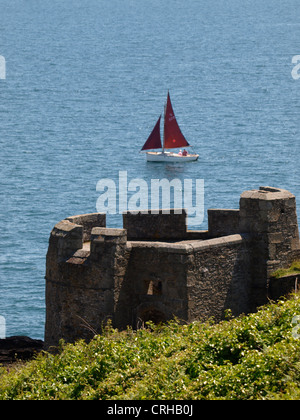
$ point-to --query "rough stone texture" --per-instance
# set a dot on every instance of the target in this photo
(82, 290)
(155, 285)
(155, 269)
(269, 216)
(157, 225)
(218, 278)
(223, 222)
(88, 222)
(68, 237)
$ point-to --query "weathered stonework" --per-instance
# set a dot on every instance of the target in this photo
(154, 268)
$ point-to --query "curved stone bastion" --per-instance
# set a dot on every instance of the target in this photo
(155, 269)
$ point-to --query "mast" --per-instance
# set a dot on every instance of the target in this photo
(165, 110)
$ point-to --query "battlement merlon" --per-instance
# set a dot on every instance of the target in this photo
(161, 224)
(66, 238)
(269, 210)
(88, 222)
(107, 241)
(264, 210)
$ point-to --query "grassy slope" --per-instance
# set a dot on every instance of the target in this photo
(249, 357)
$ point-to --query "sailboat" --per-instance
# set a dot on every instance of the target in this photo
(172, 139)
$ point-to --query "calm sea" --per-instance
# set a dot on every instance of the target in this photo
(85, 83)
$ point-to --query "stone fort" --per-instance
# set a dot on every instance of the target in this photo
(156, 269)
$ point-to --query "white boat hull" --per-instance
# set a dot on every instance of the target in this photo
(169, 157)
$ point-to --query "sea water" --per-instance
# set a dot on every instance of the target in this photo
(83, 83)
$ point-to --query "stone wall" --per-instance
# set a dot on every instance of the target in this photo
(157, 282)
(223, 222)
(218, 278)
(189, 281)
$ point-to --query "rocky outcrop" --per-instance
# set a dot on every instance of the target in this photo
(19, 348)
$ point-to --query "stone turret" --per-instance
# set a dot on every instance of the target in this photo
(73, 295)
(269, 216)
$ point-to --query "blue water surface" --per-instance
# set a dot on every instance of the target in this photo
(85, 83)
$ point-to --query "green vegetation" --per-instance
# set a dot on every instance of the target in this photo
(293, 269)
(249, 357)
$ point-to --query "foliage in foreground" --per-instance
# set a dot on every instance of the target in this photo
(249, 357)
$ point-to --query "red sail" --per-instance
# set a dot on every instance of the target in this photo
(154, 140)
(172, 135)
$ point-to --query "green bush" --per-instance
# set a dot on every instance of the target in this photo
(249, 357)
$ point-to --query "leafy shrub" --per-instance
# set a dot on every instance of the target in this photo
(249, 357)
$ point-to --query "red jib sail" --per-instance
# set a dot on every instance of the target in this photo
(172, 134)
(154, 140)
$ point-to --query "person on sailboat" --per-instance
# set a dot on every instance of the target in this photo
(184, 153)
(180, 152)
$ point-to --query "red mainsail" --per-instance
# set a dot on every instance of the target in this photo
(172, 134)
(154, 140)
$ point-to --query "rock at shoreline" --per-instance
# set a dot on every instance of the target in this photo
(19, 348)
